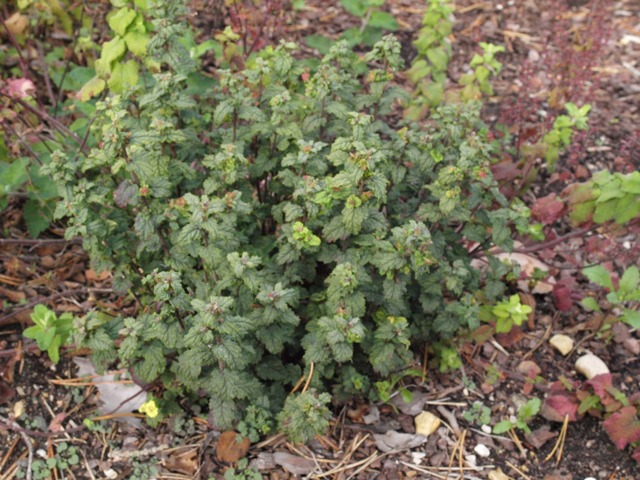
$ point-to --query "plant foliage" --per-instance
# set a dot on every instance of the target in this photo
(282, 221)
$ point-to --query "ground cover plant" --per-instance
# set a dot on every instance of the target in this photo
(281, 225)
(291, 241)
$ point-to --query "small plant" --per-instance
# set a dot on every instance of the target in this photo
(479, 414)
(386, 388)
(304, 415)
(506, 313)
(242, 471)
(604, 198)
(526, 413)
(428, 71)
(374, 23)
(564, 126)
(570, 401)
(476, 83)
(50, 331)
(627, 290)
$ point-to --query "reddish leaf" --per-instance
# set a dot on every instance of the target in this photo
(600, 384)
(562, 297)
(556, 407)
(623, 427)
(548, 209)
(539, 437)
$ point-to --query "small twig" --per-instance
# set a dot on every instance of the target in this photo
(520, 472)
(39, 241)
(5, 319)
(453, 422)
(559, 446)
(26, 439)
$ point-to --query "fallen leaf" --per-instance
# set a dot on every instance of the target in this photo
(623, 427)
(414, 407)
(184, 462)
(6, 393)
(540, 436)
(56, 423)
(230, 449)
(294, 464)
(17, 23)
(13, 295)
(115, 396)
(393, 440)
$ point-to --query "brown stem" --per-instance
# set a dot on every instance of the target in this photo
(5, 318)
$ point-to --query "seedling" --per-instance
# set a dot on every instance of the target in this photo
(506, 313)
(525, 415)
(50, 331)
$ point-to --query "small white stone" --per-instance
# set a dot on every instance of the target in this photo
(562, 343)
(426, 423)
(417, 457)
(42, 453)
(589, 365)
(482, 450)
(111, 474)
(486, 428)
(471, 461)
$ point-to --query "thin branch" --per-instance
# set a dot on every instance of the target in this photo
(5, 319)
(14, 426)
(40, 241)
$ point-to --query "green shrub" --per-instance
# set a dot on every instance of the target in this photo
(282, 222)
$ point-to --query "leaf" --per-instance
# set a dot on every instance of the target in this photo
(547, 210)
(623, 427)
(230, 448)
(383, 20)
(37, 217)
(121, 19)
(438, 57)
(599, 275)
(93, 87)
(631, 317)
(123, 74)
(629, 281)
(556, 406)
(125, 194)
(502, 426)
(112, 50)
(590, 303)
(393, 440)
(137, 43)
(319, 42)
(354, 7)
(562, 297)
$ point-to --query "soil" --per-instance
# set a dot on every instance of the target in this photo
(55, 272)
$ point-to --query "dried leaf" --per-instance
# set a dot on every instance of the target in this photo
(6, 393)
(56, 423)
(230, 449)
(623, 427)
(540, 436)
(414, 407)
(294, 464)
(184, 462)
(393, 440)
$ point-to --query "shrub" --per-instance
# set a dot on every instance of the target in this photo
(283, 222)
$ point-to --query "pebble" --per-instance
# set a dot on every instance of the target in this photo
(482, 450)
(426, 423)
(471, 461)
(562, 343)
(486, 428)
(590, 365)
